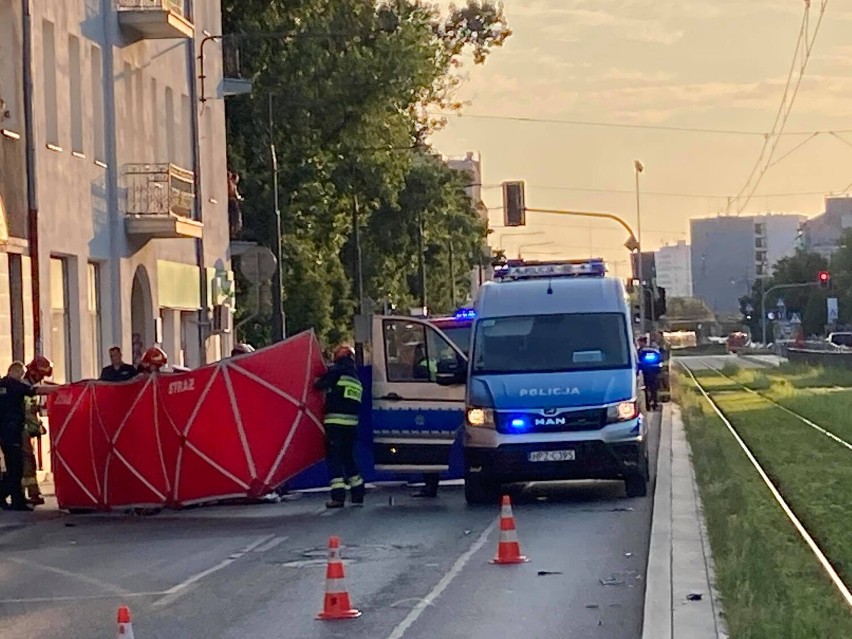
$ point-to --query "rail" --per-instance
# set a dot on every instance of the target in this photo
(152, 5)
(776, 494)
(159, 189)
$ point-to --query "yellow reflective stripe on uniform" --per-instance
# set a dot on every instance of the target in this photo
(337, 482)
(356, 481)
(336, 419)
(352, 388)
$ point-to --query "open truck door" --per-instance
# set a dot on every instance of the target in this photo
(415, 419)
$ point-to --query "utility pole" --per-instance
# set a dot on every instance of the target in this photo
(639, 167)
(452, 278)
(279, 330)
(359, 270)
(422, 260)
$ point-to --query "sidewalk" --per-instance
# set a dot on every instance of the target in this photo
(680, 601)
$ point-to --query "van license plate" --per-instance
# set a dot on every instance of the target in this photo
(552, 456)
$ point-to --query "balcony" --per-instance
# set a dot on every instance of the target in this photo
(160, 199)
(155, 19)
(233, 82)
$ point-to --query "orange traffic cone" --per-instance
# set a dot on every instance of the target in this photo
(337, 604)
(508, 550)
(125, 628)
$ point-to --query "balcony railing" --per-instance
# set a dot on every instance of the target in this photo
(155, 19)
(159, 200)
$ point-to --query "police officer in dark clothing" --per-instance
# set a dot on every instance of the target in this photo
(650, 365)
(344, 394)
(13, 391)
(118, 370)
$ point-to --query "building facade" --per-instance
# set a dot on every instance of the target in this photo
(730, 253)
(823, 233)
(114, 183)
(674, 269)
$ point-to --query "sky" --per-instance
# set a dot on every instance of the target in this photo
(717, 64)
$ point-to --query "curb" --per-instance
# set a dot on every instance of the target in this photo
(679, 558)
(657, 618)
(754, 359)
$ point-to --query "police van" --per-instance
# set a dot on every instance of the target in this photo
(551, 384)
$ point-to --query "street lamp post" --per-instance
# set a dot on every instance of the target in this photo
(639, 168)
(766, 294)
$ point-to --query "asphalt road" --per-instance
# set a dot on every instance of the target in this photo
(416, 569)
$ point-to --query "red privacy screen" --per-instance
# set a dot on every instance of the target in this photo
(238, 428)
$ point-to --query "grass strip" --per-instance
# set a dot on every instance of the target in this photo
(771, 584)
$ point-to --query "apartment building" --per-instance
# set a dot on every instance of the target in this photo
(113, 183)
(729, 253)
(674, 269)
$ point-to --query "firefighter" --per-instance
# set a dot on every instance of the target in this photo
(344, 394)
(13, 391)
(153, 360)
(37, 371)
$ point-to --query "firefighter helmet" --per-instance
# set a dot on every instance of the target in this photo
(40, 367)
(344, 351)
(242, 349)
(154, 359)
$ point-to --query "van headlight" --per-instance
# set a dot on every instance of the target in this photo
(480, 418)
(622, 412)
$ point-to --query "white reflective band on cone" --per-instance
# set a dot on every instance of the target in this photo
(335, 586)
(508, 536)
(125, 631)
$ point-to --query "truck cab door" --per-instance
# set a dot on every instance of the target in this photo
(415, 420)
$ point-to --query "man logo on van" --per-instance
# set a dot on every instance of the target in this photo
(549, 392)
(551, 421)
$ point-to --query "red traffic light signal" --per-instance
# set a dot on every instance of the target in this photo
(824, 278)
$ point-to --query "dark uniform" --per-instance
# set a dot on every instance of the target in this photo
(12, 417)
(123, 373)
(651, 371)
(344, 394)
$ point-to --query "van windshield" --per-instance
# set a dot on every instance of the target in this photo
(551, 343)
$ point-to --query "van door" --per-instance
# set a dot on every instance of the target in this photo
(415, 421)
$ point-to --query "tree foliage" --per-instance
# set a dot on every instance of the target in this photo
(801, 268)
(350, 86)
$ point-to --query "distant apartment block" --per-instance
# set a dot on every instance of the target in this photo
(822, 234)
(730, 253)
(674, 269)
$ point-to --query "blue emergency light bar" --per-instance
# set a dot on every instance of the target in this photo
(465, 314)
(520, 270)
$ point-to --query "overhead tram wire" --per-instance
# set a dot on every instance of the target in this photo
(778, 131)
(622, 125)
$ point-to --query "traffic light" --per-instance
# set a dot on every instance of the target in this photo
(660, 302)
(514, 204)
(824, 278)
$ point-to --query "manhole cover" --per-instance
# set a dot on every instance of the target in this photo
(365, 552)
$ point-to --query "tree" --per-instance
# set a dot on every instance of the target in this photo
(351, 83)
(800, 268)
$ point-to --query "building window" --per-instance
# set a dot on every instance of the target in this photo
(760, 257)
(60, 324)
(155, 121)
(760, 228)
(760, 269)
(760, 242)
(98, 105)
(51, 124)
(128, 96)
(75, 80)
(94, 308)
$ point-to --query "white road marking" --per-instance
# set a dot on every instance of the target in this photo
(271, 544)
(35, 600)
(442, 585)
(71, 575)
(175, 592)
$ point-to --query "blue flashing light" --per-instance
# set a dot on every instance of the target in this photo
(465, 314)
(651, 357)
(519, 424)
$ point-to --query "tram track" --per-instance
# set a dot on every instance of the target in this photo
(803, 532)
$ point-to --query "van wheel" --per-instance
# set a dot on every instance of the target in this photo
(636, 486)
(480, 492)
